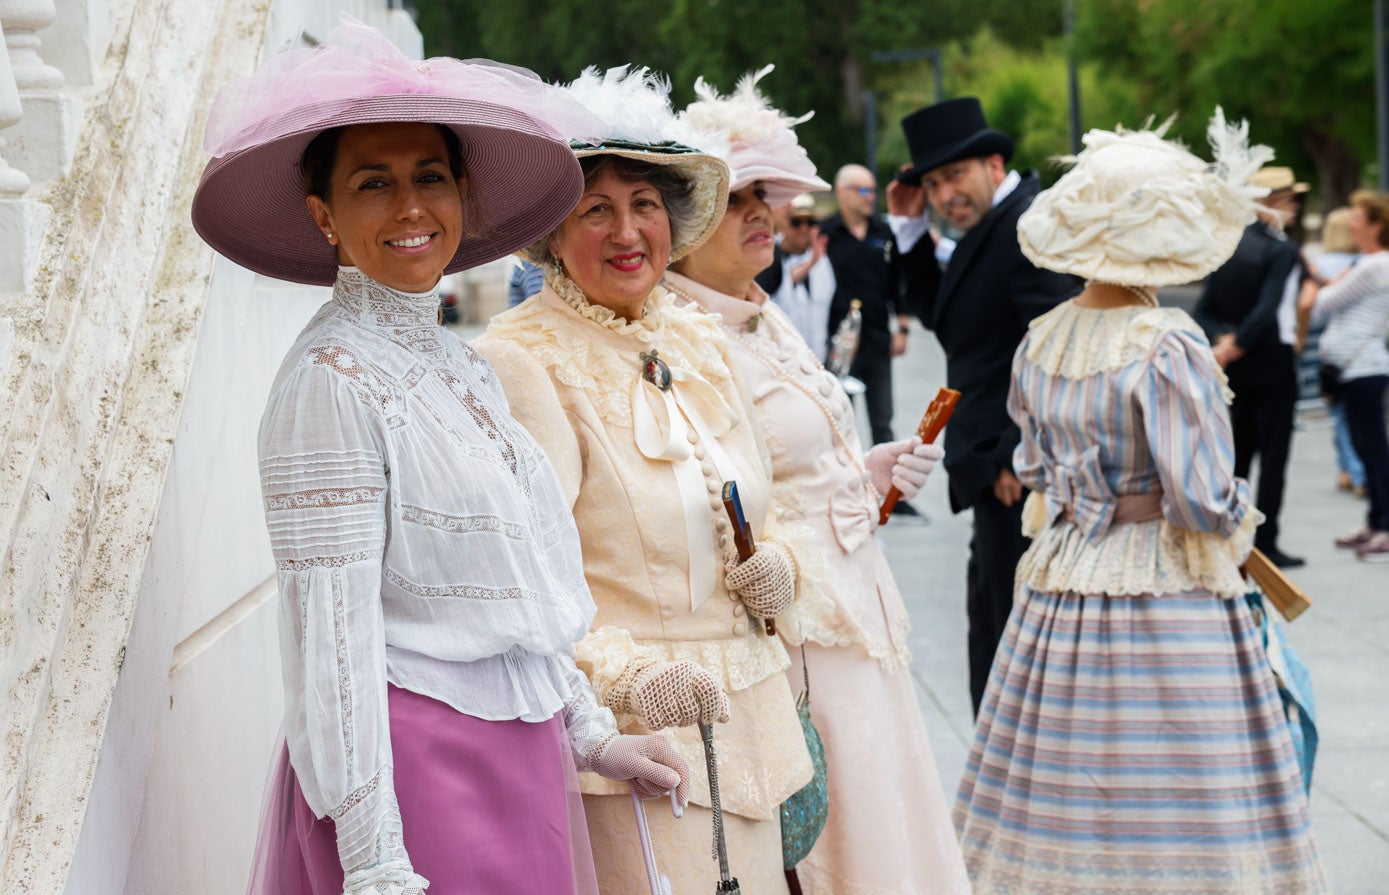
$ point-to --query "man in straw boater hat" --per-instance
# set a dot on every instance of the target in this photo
(1248, 310)
(978, 295)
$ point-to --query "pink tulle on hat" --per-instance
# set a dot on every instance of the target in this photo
(519, 172)
(762, 144)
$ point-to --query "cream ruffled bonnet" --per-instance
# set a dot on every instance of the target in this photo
(1140, 210)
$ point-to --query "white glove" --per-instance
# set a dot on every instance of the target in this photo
(649, 763)
(668, 694)
(905, 464)
(766, 582)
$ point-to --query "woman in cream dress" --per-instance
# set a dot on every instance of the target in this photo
(889, 827)
(640, 407)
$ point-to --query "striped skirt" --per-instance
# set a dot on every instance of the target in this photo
(1134, 746)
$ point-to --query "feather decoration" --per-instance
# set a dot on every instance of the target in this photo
(633, 102)
(745, 115)
(1235, 160)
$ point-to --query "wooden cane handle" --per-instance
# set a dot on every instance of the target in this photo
(932, 421)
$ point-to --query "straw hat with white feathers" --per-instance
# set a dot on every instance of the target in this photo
(634, 105)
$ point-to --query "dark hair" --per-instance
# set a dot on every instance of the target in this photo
(676, 189)
(322, 152)
(1376, 210)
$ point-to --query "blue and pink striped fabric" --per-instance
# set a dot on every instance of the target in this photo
(1132, 743)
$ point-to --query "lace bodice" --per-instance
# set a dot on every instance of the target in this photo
(422, 538)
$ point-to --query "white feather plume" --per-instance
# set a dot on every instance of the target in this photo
(634, 103)
(745, 115)
(1235, 160)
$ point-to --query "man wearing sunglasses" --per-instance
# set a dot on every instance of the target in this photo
(861, 250)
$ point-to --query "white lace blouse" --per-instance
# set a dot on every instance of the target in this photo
(422, 539)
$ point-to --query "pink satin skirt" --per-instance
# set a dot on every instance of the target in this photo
(485, 806)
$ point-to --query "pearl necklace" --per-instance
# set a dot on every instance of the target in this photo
(1146, 295)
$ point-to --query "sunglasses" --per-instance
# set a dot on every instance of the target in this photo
(801, 222)
(866, 190)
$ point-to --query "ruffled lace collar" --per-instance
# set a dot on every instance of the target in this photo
(646, 329)
(379, 307)
(1075, 342)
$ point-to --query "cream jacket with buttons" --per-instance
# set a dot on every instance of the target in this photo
(572, 374)
(824, 499)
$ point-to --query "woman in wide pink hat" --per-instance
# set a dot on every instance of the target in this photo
(430, 575)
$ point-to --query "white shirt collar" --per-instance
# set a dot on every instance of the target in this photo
(1006, 188)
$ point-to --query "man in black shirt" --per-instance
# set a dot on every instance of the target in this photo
(861, 250)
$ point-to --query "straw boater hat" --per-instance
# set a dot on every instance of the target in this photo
(761, 145)
(1279, 179)
(1139, 210)
(633, 105)
(250, 203)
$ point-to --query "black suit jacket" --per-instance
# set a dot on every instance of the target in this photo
(980, 308)
(1243, 295)
(866, 270)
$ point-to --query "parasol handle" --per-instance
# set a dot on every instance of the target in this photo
(932, 421)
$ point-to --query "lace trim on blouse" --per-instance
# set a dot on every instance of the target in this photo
(604, 375)
(1076, 342)
(1154, 557)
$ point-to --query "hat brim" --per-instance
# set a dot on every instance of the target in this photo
(521, 179)
(781, 188)
(709, 176)
(976, 145)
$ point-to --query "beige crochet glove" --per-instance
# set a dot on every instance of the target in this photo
(766, 582)
(650, 763)
(668, 694)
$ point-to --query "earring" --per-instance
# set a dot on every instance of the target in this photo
(330, 235)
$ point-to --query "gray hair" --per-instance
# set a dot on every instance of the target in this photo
(675, 186)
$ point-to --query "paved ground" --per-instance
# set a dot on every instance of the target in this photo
(1344, 638)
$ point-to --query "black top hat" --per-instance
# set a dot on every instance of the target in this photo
(948, 132)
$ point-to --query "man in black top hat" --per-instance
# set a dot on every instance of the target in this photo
(979, 295)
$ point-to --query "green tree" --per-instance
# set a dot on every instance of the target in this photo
(1302, 73)
(1023, 92)
(822, 50)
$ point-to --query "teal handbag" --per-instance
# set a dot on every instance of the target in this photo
(803, 815)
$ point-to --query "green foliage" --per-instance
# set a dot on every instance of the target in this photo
(822, 49)
(1302, 73)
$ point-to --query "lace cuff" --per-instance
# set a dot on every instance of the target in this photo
(604, 655)
(590, 724)
(370, 845)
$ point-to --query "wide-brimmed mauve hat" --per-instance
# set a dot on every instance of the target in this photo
(520, 177)
(1139, 210)
(947, 132)
(762, 144)
(633, 105)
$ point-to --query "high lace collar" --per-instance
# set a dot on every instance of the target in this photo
(378, 306)
(647, 329)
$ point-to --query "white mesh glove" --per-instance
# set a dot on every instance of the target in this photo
(649, 763)
(905, 464)
(766, 582)
(668, 694)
